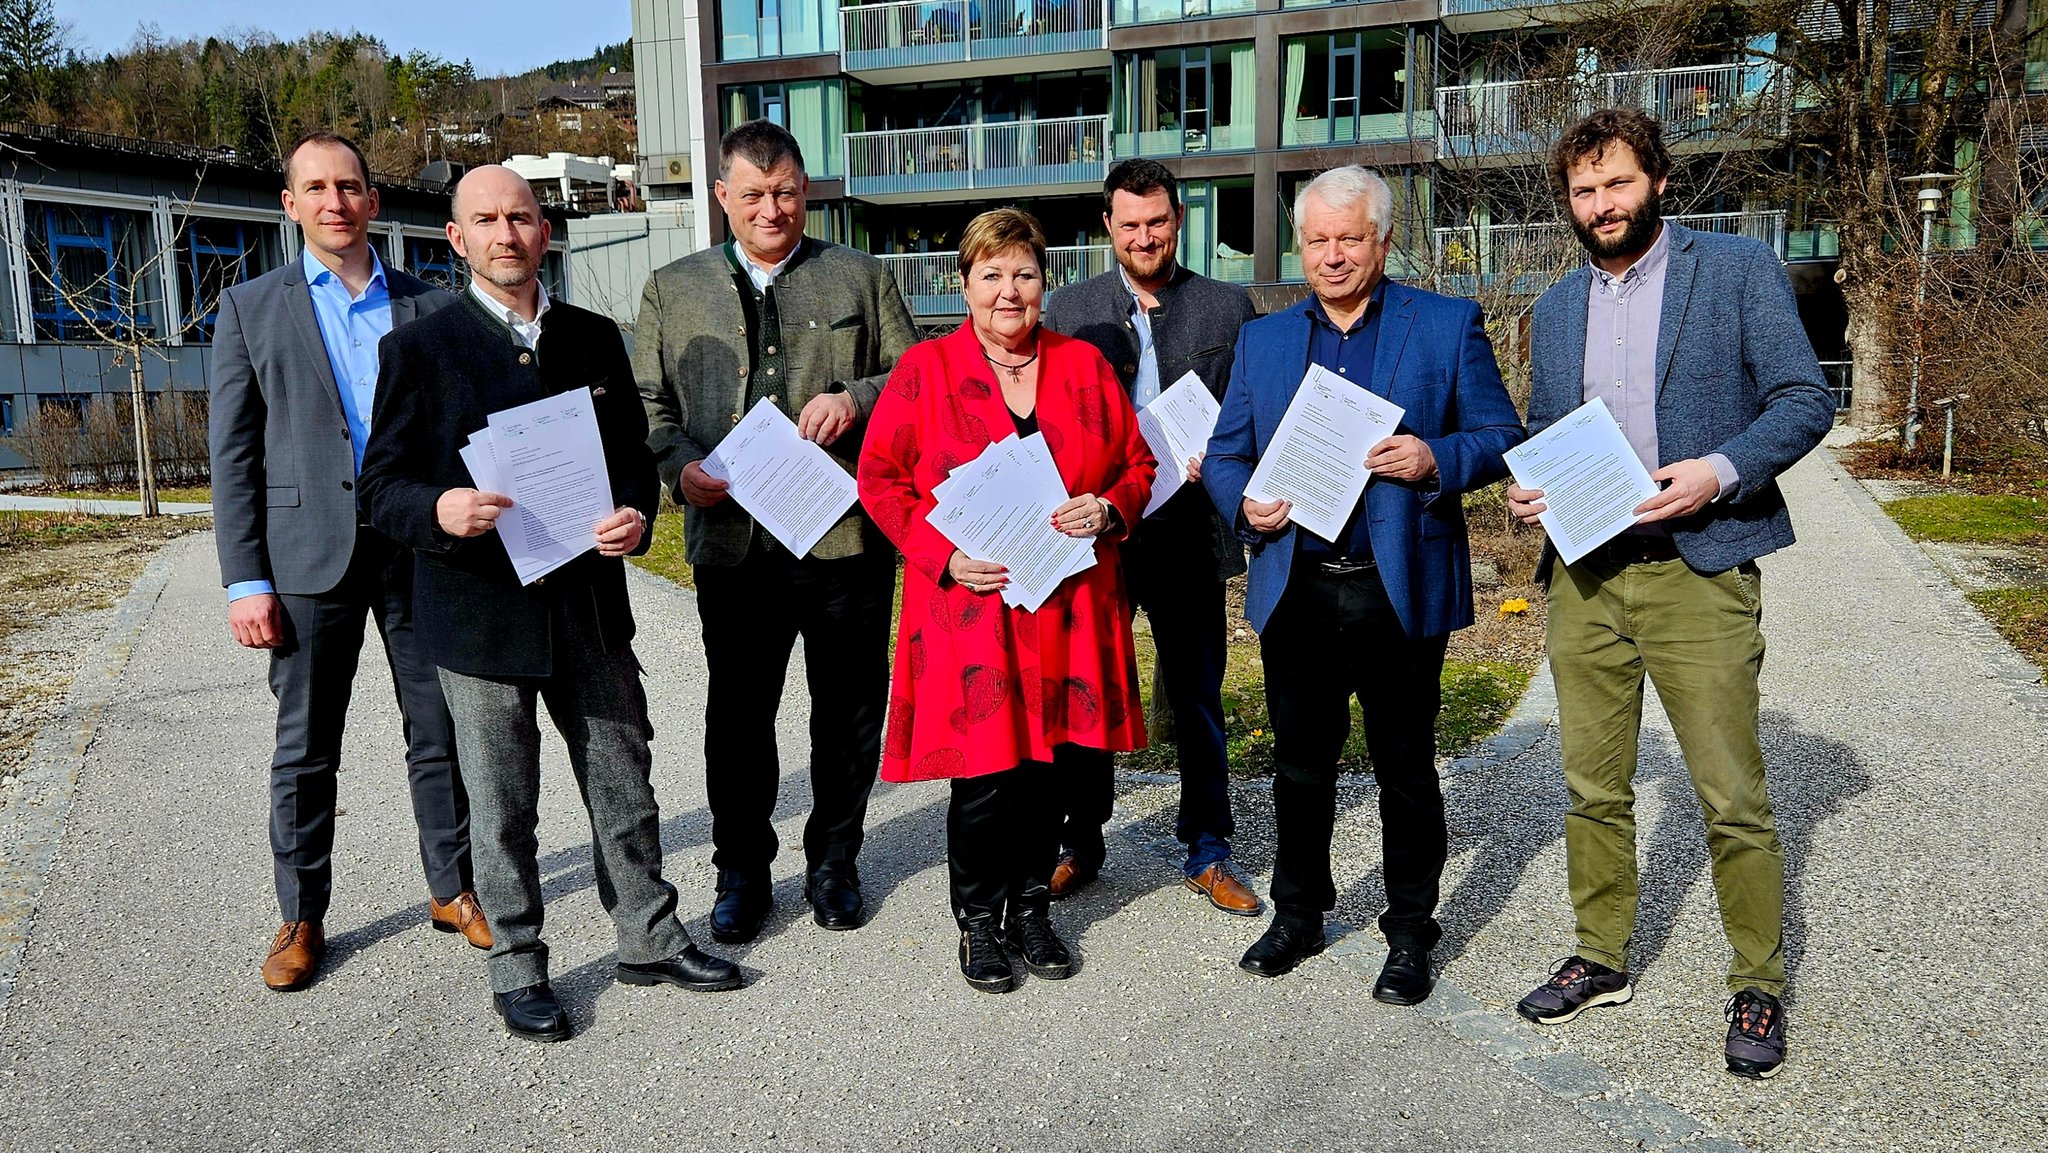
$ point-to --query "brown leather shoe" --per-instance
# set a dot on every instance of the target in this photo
(1225, 891)
(294, 956)
(461, 915)
(1068, 877)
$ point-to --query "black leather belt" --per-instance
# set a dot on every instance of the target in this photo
(1637, 548)
(1345, 566)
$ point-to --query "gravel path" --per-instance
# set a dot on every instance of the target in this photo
(1906, 744)
(138, 1021)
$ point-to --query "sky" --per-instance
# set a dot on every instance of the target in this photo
(501, 37)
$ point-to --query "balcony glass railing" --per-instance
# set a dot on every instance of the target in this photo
(930, 281)
(1706, 102)
(1818, 241)
(1069, 150)
(918, 33)
(1177, 141)
(1342, 125)
(1528, 258)
(1159, 11)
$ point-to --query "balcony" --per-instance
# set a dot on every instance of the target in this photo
(1525, 259)
(930, 281)
(1704, 103)
(1024, 157)
(1161, 11)
(907, 41)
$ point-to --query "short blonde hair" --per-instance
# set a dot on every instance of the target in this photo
(999, 230)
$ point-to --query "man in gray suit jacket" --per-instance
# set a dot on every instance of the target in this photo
(813, 328)
(1694, 344)
(294, 371)
(1155, 321)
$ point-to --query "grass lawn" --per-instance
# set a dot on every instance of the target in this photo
(190, 494)
(664, 558)
(2021, 614)
(1968, 518)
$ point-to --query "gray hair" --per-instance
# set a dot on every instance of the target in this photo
(1341, 188)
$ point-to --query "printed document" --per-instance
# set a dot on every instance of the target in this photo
(792, 486)
(998, 508)
(1177, 425)
(1316, 458)
(549, 458)
(1591, 479)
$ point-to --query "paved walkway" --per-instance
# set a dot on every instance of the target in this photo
(1906, 745)
(95, 507)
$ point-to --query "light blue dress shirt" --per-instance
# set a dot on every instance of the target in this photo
(350, 327)
(1145, 387)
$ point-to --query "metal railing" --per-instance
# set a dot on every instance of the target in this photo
(1068, 150)
(1841, 378)
(915, 33)
(1699, 102)
(930, 281)
(1527, 258)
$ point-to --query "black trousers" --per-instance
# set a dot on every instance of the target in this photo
(1003, 834)
(752, 614)
(1330, 638)
(312, 675)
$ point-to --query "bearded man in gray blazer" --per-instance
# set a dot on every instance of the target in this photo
(813, 328)
(294, 373)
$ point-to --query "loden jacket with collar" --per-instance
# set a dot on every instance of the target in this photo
(844, 326)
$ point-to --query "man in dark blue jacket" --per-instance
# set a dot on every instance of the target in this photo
(1694, 344)
(1370, 613)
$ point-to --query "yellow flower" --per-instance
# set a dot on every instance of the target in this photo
(1258, 732)
(1513, 607)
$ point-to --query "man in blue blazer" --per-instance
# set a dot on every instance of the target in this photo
(1693, 342)
(1370, 612)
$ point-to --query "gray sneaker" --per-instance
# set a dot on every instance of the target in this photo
(1756, 1034)
(1575, 986)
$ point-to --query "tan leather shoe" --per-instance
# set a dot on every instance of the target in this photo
(1068, 877)
(461, 915)
(294, 956)
(1225, 891)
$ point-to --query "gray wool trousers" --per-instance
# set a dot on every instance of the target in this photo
(596, 702)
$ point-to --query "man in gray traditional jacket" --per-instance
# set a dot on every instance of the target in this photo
(813, 328)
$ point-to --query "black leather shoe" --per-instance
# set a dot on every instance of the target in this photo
(1030, 938)
(981, 957)
(692, 969)
(1405, 978)
(741, 907)
(533, 1013)
(1285, 945)
(835, 899)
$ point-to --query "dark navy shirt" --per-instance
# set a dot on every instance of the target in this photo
(1349, 354)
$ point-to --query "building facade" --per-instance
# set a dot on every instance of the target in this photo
(109, 243)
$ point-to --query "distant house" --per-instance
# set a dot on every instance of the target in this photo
(612, 92)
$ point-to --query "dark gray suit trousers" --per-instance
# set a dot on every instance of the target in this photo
(312, 675)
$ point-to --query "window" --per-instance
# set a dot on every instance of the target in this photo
(814, 111)
(6, 416)
(1344, 89)
(90, 275)
(434, 261)
(8, 321)
(1154, 11)
(213, 256)
(2037, 46)
(1217, 237)
(752, 29)
(1186, 101)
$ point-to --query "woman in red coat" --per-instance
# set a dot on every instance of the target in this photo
(988, 696)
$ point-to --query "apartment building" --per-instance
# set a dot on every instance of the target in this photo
(916, 114)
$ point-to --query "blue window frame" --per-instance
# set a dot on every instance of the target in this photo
(84, 277)
(433, 261)
(214, 256)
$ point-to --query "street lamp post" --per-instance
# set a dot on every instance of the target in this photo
(1933, 189)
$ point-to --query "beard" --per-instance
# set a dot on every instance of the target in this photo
(1634, 239)
(1147, 265)
(508, 277)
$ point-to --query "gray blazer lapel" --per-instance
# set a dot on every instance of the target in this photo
(298, 306)
(404, 309)
(1396, 320)
(1680, 267)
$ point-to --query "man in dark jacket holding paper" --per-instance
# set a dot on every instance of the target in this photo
(502, 646)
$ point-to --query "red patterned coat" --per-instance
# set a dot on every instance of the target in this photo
(980, 687)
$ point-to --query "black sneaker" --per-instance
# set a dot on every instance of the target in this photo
(1575, 986)
(1756, 1034)
(1030, 938)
